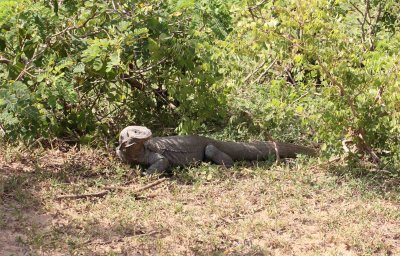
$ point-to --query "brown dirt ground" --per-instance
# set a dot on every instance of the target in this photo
(266, 210)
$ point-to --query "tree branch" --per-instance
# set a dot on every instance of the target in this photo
(266, 70)
(257, 5)
(3, 60)
(255, 70)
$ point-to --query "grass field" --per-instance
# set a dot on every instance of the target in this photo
(294, 208)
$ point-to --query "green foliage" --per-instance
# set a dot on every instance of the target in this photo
(319, 70)
(83, 69)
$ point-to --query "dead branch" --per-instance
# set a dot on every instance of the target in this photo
(155, 183)
(4, 60)
(109, 189)
(366, 147)
(96, 194)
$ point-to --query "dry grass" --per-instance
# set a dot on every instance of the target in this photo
(288, 209)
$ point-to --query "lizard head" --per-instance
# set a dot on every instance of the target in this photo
(132, 135)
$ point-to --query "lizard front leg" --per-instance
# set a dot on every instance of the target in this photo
(217, 156)
(157, 163)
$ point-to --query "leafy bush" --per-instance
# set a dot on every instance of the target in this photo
(83, 69)
(320, 70)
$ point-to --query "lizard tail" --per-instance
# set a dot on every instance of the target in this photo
(289, 150)
(262, 150)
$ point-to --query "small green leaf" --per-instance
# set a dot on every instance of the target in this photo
(124, 26)
(97, 64)
(79, 68)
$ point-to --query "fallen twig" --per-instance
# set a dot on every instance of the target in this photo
(109, 189)
(96, 194)
(155, 183)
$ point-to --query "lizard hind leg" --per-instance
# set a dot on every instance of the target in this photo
(217, 156)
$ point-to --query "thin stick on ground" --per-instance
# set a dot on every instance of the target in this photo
(155, 183)
(96, 194)
(109, 189)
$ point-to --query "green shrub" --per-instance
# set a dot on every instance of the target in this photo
(83, 70)
(322, 71)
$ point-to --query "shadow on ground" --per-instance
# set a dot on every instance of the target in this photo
(383, 182)
(25, 184)
(20, 211)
